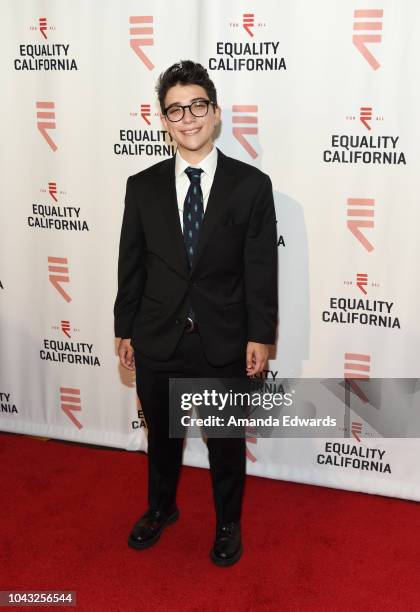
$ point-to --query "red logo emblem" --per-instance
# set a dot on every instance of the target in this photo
(366, 116)
(356, 430)
(245, 120)
(360, 217)
(141, 36)
(65, 328)
(44, 125)
(70, 402)
(357, 366)
(43, 26)
(362, 281)
(58, 274)
(248, 22)
(360, 38)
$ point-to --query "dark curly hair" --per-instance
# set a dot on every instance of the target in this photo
(185, 72)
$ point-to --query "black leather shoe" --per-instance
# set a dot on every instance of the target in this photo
(227, 548)
(149, 527)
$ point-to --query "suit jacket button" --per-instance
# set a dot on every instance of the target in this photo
(177, 321)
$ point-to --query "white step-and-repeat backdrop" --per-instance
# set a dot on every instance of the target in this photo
(324, 97)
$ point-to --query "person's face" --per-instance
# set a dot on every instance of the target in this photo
(192, 134)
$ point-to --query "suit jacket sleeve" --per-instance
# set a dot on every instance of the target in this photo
(260, 261)
(131, 266)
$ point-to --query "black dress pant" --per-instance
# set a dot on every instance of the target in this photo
(227, 456)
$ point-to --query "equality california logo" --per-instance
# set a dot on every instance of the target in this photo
(244, 50)
(52, 211)
(144, 135)
(65, 345)
(363, 145)
(44, 52)
(359, 304)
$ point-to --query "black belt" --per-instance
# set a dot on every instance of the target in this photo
(190, 326)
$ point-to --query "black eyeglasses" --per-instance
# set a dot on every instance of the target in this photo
(199, 108)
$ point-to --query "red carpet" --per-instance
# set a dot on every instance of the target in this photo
(67, 511)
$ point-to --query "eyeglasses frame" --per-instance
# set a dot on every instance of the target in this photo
(208, 102)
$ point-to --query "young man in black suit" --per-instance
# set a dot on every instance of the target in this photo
(197, 293)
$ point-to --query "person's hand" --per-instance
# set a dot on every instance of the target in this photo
(256, 358)
(126, 354)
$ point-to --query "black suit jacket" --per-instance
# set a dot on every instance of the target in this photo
(232, 284)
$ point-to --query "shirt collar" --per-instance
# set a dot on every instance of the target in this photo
(208, 164)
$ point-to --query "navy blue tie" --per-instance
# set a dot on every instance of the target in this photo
(192, 217)
(193, 211)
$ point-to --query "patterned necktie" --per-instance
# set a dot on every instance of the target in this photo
(193, 211)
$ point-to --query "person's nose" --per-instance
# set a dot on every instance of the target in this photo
(188, 116)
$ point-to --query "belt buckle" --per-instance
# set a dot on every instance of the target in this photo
(189, 326)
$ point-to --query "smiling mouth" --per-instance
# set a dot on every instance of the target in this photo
(190, 132)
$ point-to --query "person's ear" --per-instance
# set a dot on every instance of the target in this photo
(217, 115)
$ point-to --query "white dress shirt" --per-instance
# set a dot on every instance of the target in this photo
(182, 182)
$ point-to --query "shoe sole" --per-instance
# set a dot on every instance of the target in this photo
(140, 546)
(226, 562)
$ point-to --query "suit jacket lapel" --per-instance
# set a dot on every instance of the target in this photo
(216, 204)
(176, 252)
